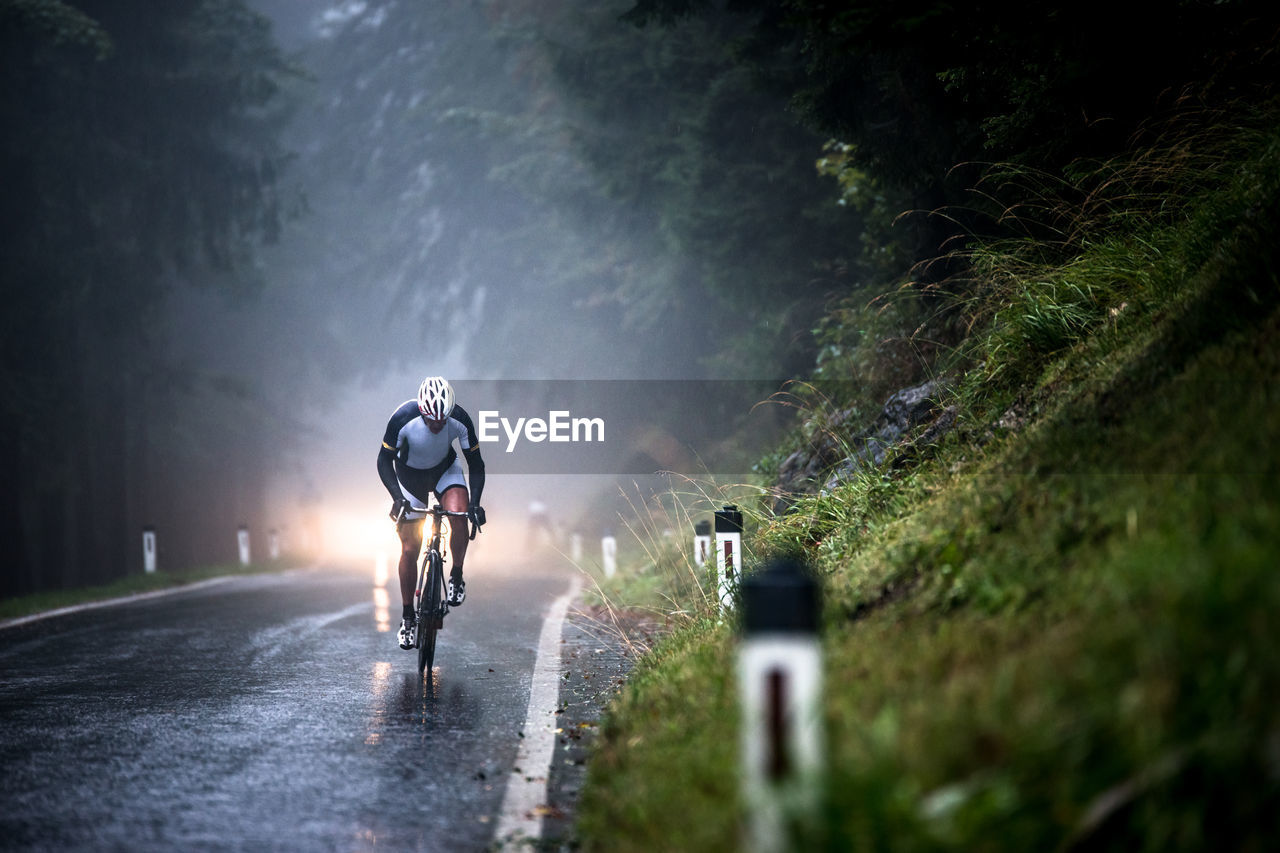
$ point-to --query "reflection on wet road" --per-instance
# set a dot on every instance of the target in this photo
(273, 712)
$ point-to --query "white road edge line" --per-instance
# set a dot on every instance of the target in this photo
(111, 602)
(519, 824)
(129, 599)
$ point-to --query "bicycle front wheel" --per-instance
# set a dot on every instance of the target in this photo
(429, 613)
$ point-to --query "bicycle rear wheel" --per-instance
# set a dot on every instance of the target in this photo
(429, 613)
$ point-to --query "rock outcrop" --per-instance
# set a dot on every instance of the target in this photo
(835, 455)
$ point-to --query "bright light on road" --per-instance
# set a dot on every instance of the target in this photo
(361, 536)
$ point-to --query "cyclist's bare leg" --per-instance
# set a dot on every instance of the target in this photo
(410, 547)
(454, 499)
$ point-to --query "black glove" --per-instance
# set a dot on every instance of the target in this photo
(476, 513)
(400, 508)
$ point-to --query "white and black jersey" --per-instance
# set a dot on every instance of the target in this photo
(419, 461)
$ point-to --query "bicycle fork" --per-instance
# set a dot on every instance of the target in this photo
(424, 577)
(443, 551)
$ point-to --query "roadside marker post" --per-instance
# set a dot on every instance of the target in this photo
(609, 552)
(728, 553)
(780, 690)
(242, 540)
(273, 544)
(149, 549)
(701, 542)
(575, 547)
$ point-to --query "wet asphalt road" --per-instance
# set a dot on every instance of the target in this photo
(267, 712)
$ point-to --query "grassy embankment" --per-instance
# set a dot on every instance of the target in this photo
(42, 602)
(1058, 627)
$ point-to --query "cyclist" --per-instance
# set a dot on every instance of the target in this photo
(416, 459)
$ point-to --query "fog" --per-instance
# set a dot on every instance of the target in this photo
(371, 270)
(406, 190)
(237, 234)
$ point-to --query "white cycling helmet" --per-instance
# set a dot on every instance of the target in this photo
(435, 398)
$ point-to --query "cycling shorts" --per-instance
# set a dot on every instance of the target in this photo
(452, 476)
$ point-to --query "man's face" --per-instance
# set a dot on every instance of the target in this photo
(434, 426)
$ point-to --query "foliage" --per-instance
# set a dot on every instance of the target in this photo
(697, 189)
(921, 86)
(1055, 633)
(138, 150)
(1116, 244)
(56, 21)
(658, 702)
(884, 254)
(659, 573)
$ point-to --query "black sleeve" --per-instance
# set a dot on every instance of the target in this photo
(387, 472)
(471, 451)
(470, 441)
(475, 473)
(404, 413)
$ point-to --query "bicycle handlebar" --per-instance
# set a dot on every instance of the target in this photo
(439, 512)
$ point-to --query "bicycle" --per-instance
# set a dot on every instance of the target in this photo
(430, 604)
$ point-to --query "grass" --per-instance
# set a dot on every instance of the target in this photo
(41, 602)
(658, 574)
(1056, 629)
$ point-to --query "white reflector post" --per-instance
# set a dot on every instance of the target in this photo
(575, 547)
(273, 544)
(149, 549)
(728, 553)
(609, 554)
(242, 540)
(701, 542)
(780, 689)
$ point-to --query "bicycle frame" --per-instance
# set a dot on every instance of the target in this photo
(434, 545)
(430, 603)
